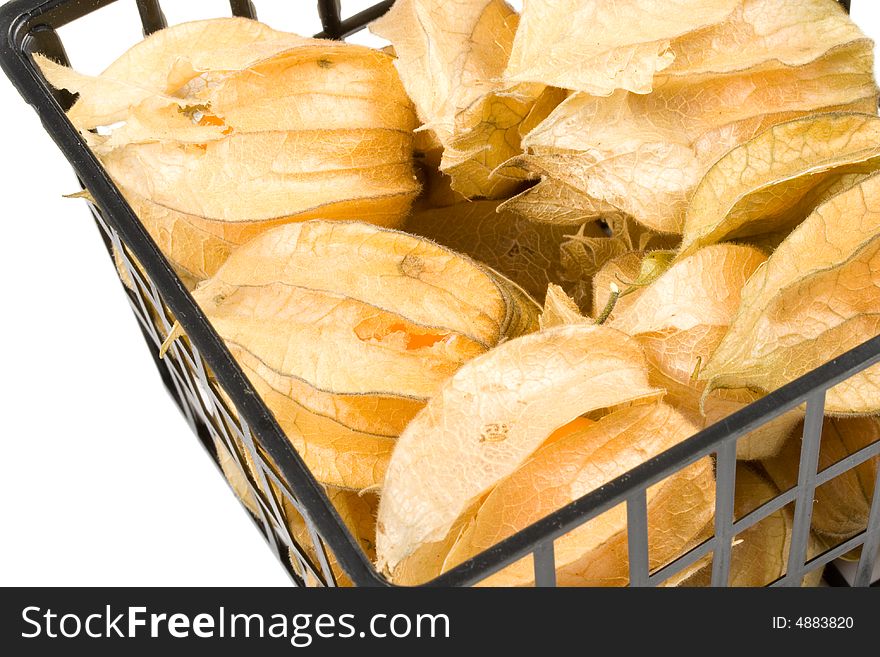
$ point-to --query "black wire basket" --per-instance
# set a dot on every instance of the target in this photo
(225, 412)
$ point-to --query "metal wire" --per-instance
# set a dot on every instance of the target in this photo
(545, 565)
(725, 486)
(803, 511)
(244, 8)
(152, 17)
(637, 537)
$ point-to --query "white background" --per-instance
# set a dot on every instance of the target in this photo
(102, 483)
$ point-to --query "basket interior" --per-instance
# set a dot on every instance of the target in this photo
(283, 501)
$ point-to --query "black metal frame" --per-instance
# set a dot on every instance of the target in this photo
(196, 366)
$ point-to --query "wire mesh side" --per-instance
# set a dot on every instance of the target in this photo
(268, 498)
(799, 562)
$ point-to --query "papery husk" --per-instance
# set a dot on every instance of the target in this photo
(594, 244)
(550, 200)
(195, 251)
(697, 291)
(577, 425)
(295, 98)
(545, 102)
(681, 318)
(372, 414)
(763, 35)
(426, 562)
(823, 280)
(825, 191)
(488, 133)
(560, 310)
(385, 269)
(759, 555)
(489, 417)
(345, 360)
(290, 174)
(437, 189)
(443, 64)
(766, 184)
(526, 252)
(842, 505)
(450, 58)
(680, 508)
(364, 336)
(581, 255)
(170, 58)
(584, 46)
(316, 129)
(335, 454)
(676, 356)
(195, 247)
(760, 443)
(198, 246)
(645, 153)
(220, 62)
